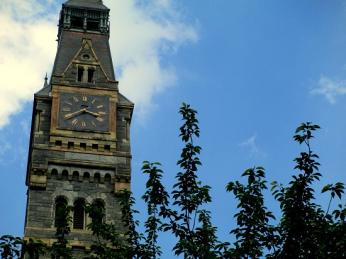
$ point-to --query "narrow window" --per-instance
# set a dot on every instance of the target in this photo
(127, 129)
(91, 73)
(80, 74)
(37, 120)
(95, 146)
(70, 145)
(60, 211)
(58, 143)
(107, 178)
(78, 214)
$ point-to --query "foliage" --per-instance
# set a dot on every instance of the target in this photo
(156, 197)
(10, 246)
(304, 230)
(63, 219)
(34, 248)
(186, 221)
(304, 226)
(253, 233)
(134, 247)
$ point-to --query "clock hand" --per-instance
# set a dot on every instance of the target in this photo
(93, 113)
(70, 115)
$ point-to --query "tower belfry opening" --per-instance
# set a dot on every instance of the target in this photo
(79, 148)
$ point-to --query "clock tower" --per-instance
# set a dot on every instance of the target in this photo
(80, 136)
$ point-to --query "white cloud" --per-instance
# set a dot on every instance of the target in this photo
(250, 144)
(27, 49)
(141, 35)
(330, 88)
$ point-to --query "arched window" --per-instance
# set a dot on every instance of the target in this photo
(60, 210)
(97, 178)
(75, 176)
(54, 173)
(86, 176)
(99, 213)
(107, 178)
(64, 175)
(78, 214)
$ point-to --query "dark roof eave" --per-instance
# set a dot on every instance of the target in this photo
(87, 6)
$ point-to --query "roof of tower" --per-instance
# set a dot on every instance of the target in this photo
(93, 4)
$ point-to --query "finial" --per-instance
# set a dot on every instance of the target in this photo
(46, 80)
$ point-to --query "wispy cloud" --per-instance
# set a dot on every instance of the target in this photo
(252, 147)
(142, 34)
(330, 88)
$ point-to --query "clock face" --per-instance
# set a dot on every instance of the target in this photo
(84, 112)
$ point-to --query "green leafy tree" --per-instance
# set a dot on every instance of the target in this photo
(304, 230)
(104, 233)
(156, 197)
(10, 246)
(112, 242)
(134, 248)
(335, 234)
(59, 249)
(303, 224)
(188, 222)
(253, 232)
(34, 248)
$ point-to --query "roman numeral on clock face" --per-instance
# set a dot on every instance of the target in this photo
(74, 122)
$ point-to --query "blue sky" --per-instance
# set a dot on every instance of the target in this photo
(253, 69)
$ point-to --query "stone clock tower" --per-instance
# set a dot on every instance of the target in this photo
(80, 138)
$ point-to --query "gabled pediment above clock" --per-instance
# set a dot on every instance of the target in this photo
(85, 67)
(86, 54)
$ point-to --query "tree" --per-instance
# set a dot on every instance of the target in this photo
(304, 230)
(156, 198)
(253, 232)
(304, 225)
(187, 219)
(10, 246)
(34, 248)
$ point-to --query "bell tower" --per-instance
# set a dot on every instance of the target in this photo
(80, 136)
